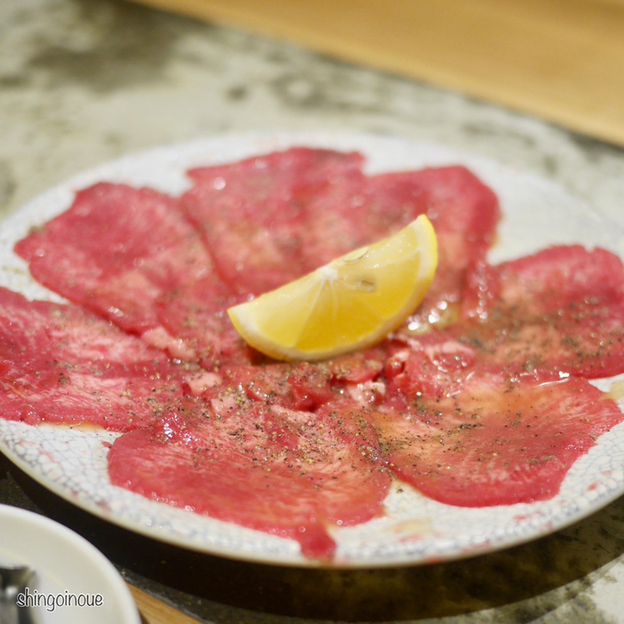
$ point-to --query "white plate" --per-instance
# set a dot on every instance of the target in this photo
(415, 529)
(74, 581)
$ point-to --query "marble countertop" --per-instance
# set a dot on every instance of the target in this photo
(85, 81)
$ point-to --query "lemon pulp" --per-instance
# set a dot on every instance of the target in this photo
(352, 302)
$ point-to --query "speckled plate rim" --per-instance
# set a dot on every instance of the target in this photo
(414, 530)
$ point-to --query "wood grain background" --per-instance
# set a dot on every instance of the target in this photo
(560, 60)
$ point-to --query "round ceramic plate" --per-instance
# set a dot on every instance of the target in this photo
(73, 581)
(414, 529)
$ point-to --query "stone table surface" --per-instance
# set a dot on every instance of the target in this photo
(86, 81)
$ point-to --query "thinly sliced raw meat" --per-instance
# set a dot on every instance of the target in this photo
(117, 250)
(293, 386)
(429, 366)
(286, 472)
(560, 310)
(485, 409)
(270, 219)
(253, 214)
(61, 364)
(362, 209)
(197, 315)
(302, 386)
(464, 213)
(491, 441)
(336, 220)
(131, 256)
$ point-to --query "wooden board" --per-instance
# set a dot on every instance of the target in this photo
(561, 60)
(154, 611)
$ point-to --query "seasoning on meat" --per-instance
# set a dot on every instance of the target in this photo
(291, 473)
(491, 440)
(117, 250)
(558, 312)
(62, 364)
(480, 399)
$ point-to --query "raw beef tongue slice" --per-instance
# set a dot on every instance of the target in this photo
(303, 385)
(62, 364)
(494, 410)
(290, 473)
(253, 214)
(464, 213)
(270, 219)
(197, 315)
(489, 440)
(295, 386)
(557, 312)
(117, 250)
(357, 210)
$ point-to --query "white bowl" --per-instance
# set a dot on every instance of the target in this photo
(70, 572)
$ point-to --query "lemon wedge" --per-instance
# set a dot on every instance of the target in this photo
(350, 303)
